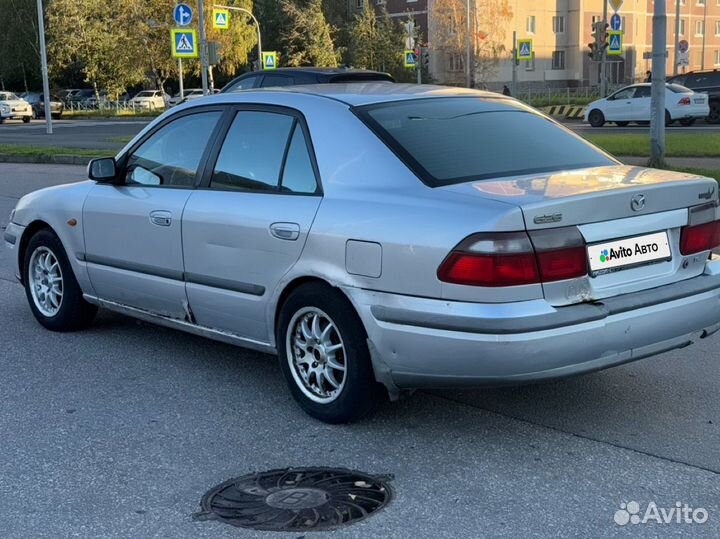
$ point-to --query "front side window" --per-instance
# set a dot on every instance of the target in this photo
(625, 93)
(172, 155)
(458, 139)
(264, 152)
(642, 91)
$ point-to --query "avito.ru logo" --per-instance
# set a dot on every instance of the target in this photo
(682, 513)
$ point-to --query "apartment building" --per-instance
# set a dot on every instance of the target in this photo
(561, 31)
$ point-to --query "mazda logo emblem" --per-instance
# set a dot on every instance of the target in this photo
(637, 202)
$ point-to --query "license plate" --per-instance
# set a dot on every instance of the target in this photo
(699, 101)
(629, 252)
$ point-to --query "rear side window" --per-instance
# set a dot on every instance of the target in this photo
(643, 91)
(453, 140)
(243, 84)
(264, 152)
(277, 80)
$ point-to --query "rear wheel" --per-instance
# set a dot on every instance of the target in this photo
(324, 355)
(50, 286)
(687, 122)
(668, 119)
(622, 124)
(596, 118)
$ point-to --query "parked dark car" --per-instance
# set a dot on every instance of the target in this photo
(57, 107)
(79, 97)
(706, 82)
(291, 76)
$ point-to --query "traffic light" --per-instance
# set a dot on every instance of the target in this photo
(600, 43)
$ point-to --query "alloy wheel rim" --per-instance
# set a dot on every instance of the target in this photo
(45, 281)
(316, 355)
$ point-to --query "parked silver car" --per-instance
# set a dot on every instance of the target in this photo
(380, 238)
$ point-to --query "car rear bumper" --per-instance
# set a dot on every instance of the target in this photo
(420, 342)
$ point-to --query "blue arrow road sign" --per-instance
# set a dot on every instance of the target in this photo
(182, 14)
(616, 22)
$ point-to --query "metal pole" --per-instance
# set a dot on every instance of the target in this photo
(603, 54)
(468, 74)
(257, 25)
(514, 65)
(702, 60)
(677, 36)
(203, 47)
(180, 73)
(43, 61)
(657, 115)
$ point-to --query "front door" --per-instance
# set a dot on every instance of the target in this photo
(133, 244)
(247, 227)
(618, 107)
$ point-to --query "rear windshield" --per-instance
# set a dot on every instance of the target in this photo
(458, 139)
(361, 77)
(678, 89)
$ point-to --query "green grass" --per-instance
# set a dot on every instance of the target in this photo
(677, 145)
(707, 172)
(14, 149)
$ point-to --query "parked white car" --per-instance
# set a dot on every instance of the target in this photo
(150, 99)
(632, 104)
(177, 98)
(11, 106)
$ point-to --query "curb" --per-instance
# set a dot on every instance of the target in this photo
(46, 159)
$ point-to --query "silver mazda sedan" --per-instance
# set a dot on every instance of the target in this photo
(380, 238)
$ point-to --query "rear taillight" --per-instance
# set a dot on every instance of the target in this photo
(514, 258)
(684, 101)
(699, 238)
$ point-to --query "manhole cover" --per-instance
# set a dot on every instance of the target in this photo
(296, 499)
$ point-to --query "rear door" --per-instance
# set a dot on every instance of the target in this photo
(247, 226)
(133, 244)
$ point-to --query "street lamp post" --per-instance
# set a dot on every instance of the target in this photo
(43, 61)
(257, 25)
(468, 43)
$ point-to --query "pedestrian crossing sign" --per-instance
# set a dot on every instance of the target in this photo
(410, 58)
(525, 49)
(184, 43)
(270, 60)
(221, 18)
(615, 43)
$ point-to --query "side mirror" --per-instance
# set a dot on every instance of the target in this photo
(103, 170)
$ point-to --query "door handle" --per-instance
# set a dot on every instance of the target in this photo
(161, 218)
(285, 231)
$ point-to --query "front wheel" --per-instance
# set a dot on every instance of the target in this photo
(324, 355)
(26, 119)
(596, 118)
(53, 292)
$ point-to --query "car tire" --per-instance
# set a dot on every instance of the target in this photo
(668, 119)
(714, 116)
(26, 119)
(687, 122)
(316, 317)
(2, 120)
(54, 294)
(596, 118)
(622, 124)
(57, 116)
(34, 114)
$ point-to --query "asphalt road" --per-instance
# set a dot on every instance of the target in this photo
(103, 134)
(117, 431)
(109, 134)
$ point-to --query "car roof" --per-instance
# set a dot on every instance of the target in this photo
(323, 70)
(356, 94)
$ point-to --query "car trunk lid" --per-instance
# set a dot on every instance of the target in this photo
(617, 209)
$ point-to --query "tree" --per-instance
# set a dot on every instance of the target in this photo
(123, 44)
(376, 42)
(308, 38)
(20, 56)
(487, 38)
